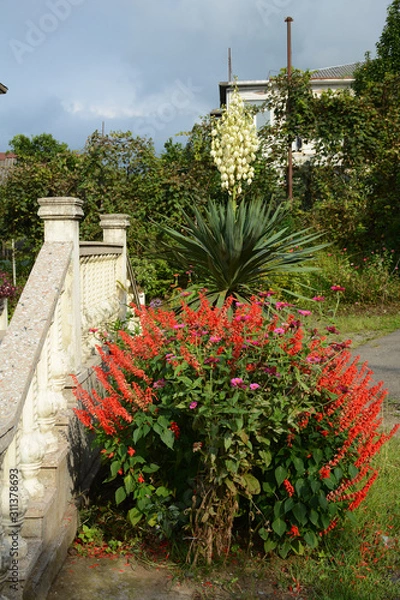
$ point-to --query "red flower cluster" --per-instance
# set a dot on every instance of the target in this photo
(288, 487)
(175, 428)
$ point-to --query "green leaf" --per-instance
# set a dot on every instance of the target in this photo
(288, 505)
(268, 488)
(168, 437)
(134, 516)
(152, 468)
(232, 466)
(230, 485)
(280, 475)
(284, 549)
(278, 509)
(137, 434)
(266, 457)
(300, 512)
(115, 467)
(129, 483)
(162, 491)
(298, 465)
(269, 546)
(317, 455)
(252, 484)
(325, 520)
(314, 517)
(227, 441)
(311, 539)
(297, 547)
(315, 485)
(279, 526)
(323, 502)
(353, 471)
(338, 474)
(120, 495)
(300, 487)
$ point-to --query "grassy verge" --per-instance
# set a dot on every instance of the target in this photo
(361, 560)
(368, 324)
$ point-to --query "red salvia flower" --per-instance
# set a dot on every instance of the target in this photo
(288, 487)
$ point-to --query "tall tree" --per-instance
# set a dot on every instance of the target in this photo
(43, 146)
(387, 59)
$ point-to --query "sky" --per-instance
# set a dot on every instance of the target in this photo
(153, 66)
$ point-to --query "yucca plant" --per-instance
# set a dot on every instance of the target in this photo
(236, 249)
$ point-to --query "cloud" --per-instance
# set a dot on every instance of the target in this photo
(154, 66)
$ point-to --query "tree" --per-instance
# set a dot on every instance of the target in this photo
(387, 60)
(42, 146)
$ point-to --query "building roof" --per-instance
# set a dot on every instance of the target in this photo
(7, 155)
(3, 89)
(328, 74)
(338, 72)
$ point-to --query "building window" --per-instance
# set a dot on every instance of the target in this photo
(262, 117)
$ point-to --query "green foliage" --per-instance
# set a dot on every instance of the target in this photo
(216, 413)
(374, 71)
(235, 250)
(42, 147)
(370, 278)
(45, 167)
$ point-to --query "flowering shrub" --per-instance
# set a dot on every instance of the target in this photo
(234, 144)
(6, 289)
(371, 278)
(217, 412)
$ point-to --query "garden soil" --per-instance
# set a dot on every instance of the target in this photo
(119, 578)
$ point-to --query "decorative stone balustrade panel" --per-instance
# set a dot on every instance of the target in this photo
(100, 297)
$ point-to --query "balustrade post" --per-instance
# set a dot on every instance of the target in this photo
(114, 232)
(3, 314)
(61, 217)
(5, 549)
(13, 503)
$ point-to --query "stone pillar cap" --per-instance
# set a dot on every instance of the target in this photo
(62, 208)
(114, 221)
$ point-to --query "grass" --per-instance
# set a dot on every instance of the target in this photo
(369, 323)
(361, 560)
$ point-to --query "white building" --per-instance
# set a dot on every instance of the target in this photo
(255, 93)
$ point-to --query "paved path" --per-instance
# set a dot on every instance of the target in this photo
(383, 358)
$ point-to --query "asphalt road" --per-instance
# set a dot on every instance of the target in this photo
(383, 358)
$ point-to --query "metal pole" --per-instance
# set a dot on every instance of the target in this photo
(229, 64)
(289, 22)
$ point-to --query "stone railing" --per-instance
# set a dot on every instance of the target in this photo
(44, 455)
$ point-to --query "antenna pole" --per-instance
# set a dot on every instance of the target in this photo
(229, 64)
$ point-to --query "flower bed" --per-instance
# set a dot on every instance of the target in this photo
(215, 414)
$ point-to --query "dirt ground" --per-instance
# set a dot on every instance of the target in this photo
(119, 578)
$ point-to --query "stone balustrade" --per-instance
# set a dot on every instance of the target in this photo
(74, 288)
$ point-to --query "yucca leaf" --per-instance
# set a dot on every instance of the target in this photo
(234, 250)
